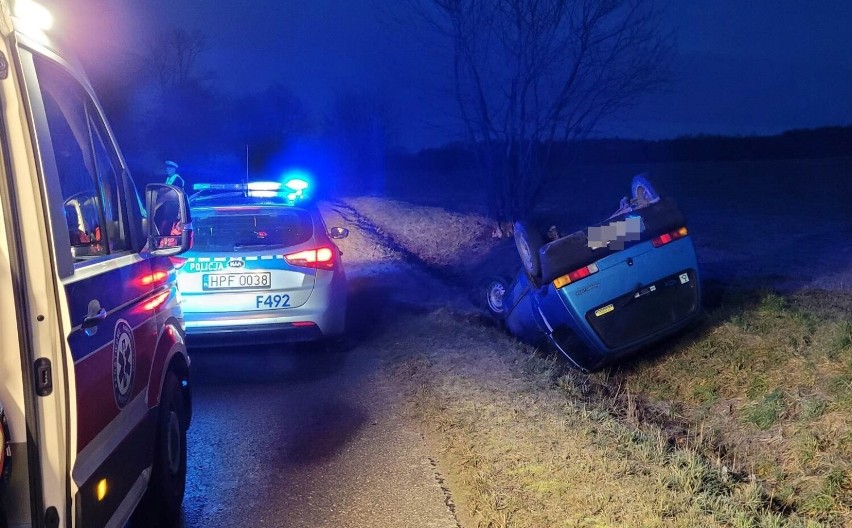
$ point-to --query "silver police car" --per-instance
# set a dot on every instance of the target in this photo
(262, 265)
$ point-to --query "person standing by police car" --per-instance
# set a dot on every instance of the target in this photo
(172, 176)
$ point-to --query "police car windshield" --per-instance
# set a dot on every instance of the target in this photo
(250, 229)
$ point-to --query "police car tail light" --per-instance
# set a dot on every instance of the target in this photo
(321, 258)
(662, 240)
(574, 276)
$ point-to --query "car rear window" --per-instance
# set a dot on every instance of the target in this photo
(236, 231)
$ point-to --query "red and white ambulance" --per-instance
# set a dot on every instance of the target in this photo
(94, 373)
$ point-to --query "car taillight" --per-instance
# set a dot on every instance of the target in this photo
(574, 276)
(178, 262)
(662, 240)
(312, 258)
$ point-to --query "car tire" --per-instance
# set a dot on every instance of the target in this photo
(494, 292)
(529, 241)
(161, 504)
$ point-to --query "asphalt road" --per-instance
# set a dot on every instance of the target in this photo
(299, 436)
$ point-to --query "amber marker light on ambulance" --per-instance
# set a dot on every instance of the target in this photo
(101, 489)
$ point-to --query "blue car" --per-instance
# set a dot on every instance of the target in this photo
(605, 292)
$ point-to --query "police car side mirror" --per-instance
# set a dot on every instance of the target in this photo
(338, 232)
(169, 225)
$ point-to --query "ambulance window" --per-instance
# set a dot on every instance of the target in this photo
(109, 176)
(72, 137)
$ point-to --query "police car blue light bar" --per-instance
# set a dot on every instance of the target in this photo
(297, 184)
(264, 186)
(292, 190)
(219, 187)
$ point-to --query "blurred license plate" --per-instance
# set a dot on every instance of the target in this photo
(236, 281)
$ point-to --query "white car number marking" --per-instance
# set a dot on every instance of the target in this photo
(233, 281)
(272, 301)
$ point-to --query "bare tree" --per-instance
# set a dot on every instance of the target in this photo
(173, 58)
(530, 75)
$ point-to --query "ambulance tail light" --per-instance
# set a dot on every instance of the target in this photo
(574, 276)
(671, 236)
(320, 258)
(153, 278)
(157, 301)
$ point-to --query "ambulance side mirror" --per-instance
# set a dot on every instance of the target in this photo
(169, 222)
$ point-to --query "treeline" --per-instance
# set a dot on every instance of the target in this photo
(826, 142)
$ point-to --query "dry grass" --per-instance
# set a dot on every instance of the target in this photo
(770, 384)
(522, 445)
(439, 237)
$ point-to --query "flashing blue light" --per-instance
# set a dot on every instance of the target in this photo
(298, 180)
(264, 186)
(297, 185)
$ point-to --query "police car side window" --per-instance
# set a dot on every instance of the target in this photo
(90, 198)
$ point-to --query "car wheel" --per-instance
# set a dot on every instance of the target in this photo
(495, 291)
(160, 506)
(528, 241)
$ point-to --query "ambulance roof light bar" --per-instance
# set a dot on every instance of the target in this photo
(33, 15)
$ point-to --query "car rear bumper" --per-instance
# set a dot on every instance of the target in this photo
(323, 315)
(214, 336)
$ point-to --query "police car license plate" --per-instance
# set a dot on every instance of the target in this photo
(236, 281)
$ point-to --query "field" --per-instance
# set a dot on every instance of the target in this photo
(745, 421)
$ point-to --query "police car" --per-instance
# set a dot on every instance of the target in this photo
(95, 390)
(263, 263)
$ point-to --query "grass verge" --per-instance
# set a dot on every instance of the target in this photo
(522, 444)
(768, 381)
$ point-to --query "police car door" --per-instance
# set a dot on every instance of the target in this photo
(107, 288)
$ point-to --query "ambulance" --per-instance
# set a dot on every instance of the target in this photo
(94, 372)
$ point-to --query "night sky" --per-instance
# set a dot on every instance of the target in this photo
(742, 68)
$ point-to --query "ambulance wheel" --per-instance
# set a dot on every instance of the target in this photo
(528, 241)
(162, 501)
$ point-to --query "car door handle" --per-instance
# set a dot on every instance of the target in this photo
(96, 319)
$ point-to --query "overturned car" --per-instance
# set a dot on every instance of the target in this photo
(607, 291)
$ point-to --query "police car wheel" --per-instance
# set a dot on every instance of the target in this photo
(162, 502)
